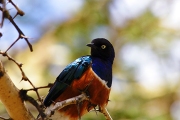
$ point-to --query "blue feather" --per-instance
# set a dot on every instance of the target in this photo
(103, 69)
(73, 71)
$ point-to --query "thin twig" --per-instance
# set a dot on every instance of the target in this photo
(5, 14)
(42, 87)
(21, 34)
(3, 8)
(12, 44)
(24, 77)
(19, 12)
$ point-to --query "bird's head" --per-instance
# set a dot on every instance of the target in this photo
(102, 48)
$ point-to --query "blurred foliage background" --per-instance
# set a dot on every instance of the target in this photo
(145, 35)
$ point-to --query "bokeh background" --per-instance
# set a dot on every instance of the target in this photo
(145, 35)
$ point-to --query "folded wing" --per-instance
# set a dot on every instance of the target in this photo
(73, 71)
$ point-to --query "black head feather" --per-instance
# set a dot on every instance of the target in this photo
(102, 48)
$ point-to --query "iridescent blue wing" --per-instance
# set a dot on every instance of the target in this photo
(73, 71)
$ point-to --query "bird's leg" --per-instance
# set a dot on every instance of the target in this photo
(79, 102)
(78, 109)
(90, 107)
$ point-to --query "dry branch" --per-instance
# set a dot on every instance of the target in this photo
(24, 77)
(75, 100)
(9, 96)
(5, 14)
(106, 113)
(60, 105)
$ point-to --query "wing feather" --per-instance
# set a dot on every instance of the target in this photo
(73, 71)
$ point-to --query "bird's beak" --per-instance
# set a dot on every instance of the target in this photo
(90, 45)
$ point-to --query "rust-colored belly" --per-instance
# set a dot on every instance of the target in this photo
(97, 91)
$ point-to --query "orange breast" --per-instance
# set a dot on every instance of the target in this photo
(96, 89)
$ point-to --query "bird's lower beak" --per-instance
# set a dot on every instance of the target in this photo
(90, 45)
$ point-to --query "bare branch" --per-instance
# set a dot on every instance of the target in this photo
(4, 7)
(21, 34)
(60, 105)
(75, 100)
(5, 14)
(19, 12)
(106, 113)
(24, 77)
(42, 87)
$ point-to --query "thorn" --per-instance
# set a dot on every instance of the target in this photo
(21, 80)
(15, 15)
(22, 36)
(24, 78)
(20, 65)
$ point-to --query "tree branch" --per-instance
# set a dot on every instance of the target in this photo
(60, 105)
(75, 100)
(24, 77)
(9, 96)
(25, 97)
(106, 113)
(5, 14)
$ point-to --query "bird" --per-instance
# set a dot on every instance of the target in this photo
(92, 74)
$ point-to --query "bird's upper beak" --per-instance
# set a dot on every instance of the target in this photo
(90, 45)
